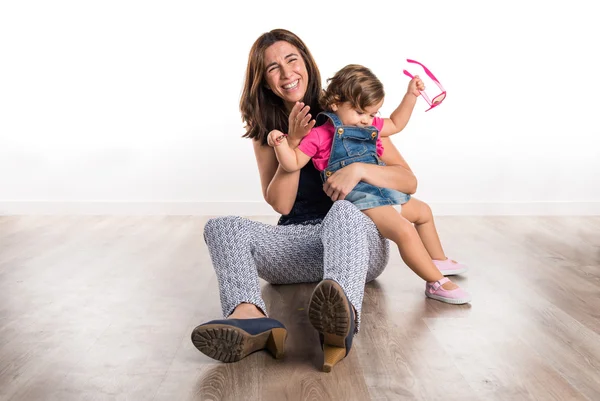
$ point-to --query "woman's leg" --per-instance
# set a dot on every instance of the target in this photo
(243, 250)
(419, 213)
(354, 251)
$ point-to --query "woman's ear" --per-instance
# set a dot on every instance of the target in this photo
(334, 107)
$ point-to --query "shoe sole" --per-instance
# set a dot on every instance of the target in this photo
(454, 272)
(230, 344)
(453, 301)
(329, 313)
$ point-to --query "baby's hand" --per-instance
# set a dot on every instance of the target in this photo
(415, 85)
(276, 138)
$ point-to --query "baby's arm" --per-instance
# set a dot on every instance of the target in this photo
(290, 159)
(401, 115)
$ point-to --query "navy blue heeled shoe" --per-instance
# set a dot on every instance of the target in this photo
(332, 314)
(230, 340)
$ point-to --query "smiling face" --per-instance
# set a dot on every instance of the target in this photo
(285, 72)
(351, 115)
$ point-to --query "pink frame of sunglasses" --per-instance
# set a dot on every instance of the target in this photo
(436, 100)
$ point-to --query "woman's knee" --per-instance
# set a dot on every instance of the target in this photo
(219, 228)
(378, 261)
(344, 212)
(343, 207)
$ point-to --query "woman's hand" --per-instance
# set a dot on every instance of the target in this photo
(300, 122)
(415, 86)
(343, 181)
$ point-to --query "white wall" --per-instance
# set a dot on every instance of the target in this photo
(123, 106)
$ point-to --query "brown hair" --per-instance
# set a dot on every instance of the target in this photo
(355, 84)
(261, 109)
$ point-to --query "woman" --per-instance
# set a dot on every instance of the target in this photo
(315, 240)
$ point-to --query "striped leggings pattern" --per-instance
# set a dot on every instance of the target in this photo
(345, 247)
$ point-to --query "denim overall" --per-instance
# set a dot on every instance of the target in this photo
(353, 144)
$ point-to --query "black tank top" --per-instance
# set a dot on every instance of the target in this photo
(312, 203)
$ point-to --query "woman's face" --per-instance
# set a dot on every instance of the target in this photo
(286, 72)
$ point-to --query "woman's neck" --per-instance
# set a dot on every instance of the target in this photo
(289, 107)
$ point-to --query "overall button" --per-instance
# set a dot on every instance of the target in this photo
(328, 173)
(374, 134)
(340, 131)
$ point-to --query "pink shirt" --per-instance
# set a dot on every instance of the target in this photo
(317, 144)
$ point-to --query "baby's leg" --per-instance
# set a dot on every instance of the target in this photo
(419, 213)
(393, 226)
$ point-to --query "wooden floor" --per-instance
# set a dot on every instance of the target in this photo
(101, 308)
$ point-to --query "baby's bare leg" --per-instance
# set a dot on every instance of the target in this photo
(419, 213)
(394, 226)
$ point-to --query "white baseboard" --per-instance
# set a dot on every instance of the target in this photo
(137, 208)
(261, 208)
(516, 208)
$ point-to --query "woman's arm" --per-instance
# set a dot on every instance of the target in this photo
(279, 187)
(396, 174)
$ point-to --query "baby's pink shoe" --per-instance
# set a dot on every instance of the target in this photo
(450, 267)
(456, 296)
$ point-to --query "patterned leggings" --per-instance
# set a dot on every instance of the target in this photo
(345, 247)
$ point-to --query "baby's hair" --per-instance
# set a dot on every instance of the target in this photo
(354, 84)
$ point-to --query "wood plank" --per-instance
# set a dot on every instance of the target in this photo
(101, 308)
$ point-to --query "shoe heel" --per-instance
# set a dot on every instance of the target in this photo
(331, 356)
(276, 342)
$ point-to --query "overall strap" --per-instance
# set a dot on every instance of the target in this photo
(332, 116)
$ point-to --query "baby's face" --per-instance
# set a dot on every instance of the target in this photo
(353, 116)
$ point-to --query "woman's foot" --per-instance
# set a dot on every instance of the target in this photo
(446, 291)
(450, 267)
(246, 331)
(333, 317)
(246, 311)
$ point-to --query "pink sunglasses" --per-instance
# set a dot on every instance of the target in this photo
(436, 100)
